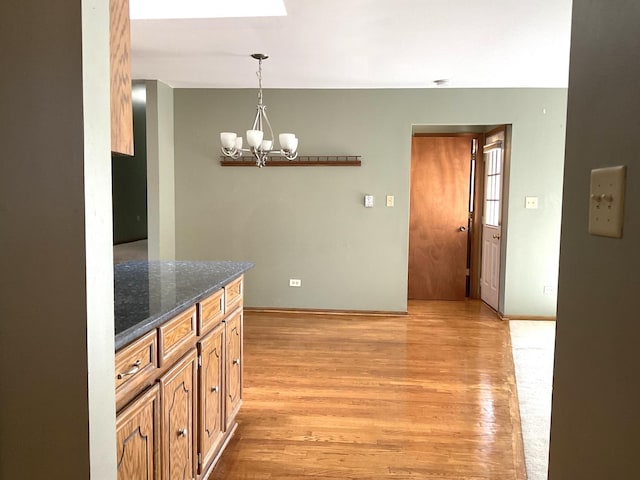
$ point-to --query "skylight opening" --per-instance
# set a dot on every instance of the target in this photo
(171, 9)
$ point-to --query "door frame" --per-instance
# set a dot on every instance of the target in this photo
(477, 187)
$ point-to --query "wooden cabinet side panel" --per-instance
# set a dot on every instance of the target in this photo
(178, 397)
(210, 412)
(233, 361)
(138, 437)
(233, 293)
(120, 59)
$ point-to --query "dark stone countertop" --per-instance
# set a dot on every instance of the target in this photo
(149, 293)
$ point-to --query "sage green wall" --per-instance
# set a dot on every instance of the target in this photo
(596, 389)
(57, 397)
(160, 172)
(309, 223)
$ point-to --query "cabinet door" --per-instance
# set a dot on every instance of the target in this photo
(120, 61)
(211, 377)
(137, 438)
(178, 397)
(233, 360)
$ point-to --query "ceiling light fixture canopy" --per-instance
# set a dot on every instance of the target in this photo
(259, 146)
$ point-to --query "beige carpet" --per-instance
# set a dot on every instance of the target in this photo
(533, 346)
(130, 251)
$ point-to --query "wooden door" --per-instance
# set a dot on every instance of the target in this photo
(439, 217)
(211, 378)
(137, 438)
(233, 360)
(178, 397)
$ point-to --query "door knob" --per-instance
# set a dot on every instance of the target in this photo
(463, 229)
(496, 236)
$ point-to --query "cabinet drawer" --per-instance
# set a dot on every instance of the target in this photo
(211, 312)
(177, 335)
(233, 294)
(135, 366)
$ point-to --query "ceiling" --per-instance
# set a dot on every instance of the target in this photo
(364, 44)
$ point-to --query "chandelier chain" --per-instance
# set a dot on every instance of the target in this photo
(259, 74)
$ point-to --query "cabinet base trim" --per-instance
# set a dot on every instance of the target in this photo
(221, 450)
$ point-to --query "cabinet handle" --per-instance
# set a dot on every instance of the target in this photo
(183, 432)
(134, 369)
(214, 389)
(236, 361)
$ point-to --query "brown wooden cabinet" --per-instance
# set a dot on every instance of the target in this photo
(120, 62)
(137, 438)
(178, 427)
(211, 402)
(233, 339)
(178, 400)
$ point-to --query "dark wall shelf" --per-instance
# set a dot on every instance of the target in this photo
(300, 161)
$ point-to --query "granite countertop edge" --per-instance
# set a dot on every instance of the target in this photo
(127, 336)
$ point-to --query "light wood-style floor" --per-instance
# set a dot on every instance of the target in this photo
(430, 395)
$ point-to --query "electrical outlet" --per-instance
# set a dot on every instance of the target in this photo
(368, 201)
(531, 202)
(295, 282)
(549, 290)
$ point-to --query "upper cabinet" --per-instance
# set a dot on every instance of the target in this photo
(120, 59)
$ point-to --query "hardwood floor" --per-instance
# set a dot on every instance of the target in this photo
(430, 395)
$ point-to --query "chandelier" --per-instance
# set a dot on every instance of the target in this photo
(259, 146)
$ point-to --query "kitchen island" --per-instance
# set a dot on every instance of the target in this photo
(178, 338)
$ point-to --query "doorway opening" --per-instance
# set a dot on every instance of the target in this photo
(448, 210)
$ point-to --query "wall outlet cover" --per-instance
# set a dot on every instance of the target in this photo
(368, 201)
(606, 201)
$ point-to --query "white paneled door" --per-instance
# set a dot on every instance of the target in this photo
(491, 221)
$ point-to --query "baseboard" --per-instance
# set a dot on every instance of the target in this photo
(316, 311)
(529, 317)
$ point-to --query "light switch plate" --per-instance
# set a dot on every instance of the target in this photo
(390, 200)
(606, 201)
(368, 201)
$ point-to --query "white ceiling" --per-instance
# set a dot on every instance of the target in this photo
(364, 44)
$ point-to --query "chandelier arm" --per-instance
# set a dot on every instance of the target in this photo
(289, 156)
(257, 123)
(264, 112)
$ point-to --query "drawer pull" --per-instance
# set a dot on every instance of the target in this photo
(183, 432)
(215, 389)
(236, 361)
(134, 369)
